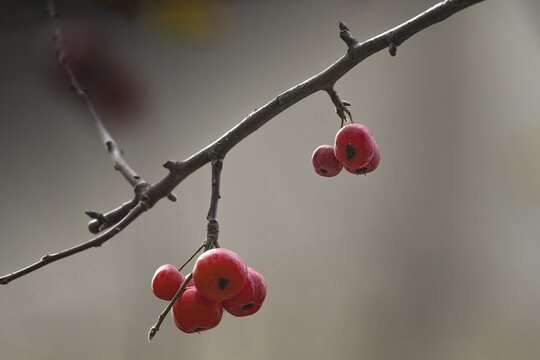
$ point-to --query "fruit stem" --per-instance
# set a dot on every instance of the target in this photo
(341, 109)
(154, 329)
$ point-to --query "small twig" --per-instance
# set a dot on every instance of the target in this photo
(392, 48)
(217, 166)
(95, 242)
(62, 57)
(346, 36)
(117, 155)
(340, 105)
(213, 225)
(154, 329)
(104, 221)
(191, 257)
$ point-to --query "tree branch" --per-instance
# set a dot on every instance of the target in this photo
(101, 221)
(178, 171)
(95, 242)
(62, 57)
(325, 80)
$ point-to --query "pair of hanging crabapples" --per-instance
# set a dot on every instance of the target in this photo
(355, 149)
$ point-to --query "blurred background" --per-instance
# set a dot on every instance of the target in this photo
(435, 255)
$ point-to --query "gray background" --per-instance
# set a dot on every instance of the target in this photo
(435, 255)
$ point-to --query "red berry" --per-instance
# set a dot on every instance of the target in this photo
(166, 282)
(325, 162)
(193, 313)
(112, 84)
(219, 274)
(354, 146)
(370, 166)
(250, 299)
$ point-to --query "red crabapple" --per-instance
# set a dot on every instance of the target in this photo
(324, 161)
(219, 274)
(194, 313)
(370, 166)
(166, 282)
(113, 85)
(250, 299)
(354, 146)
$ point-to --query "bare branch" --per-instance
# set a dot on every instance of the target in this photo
(99, 223)
(62, 57)
(95, 242)
(217, 166)
(178, 171)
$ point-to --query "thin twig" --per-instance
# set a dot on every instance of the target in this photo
(217, 166)
(213, 225)
(95, 242)
(62, 56)
(104, 221)
(179, 170)
(154, 329)
(191, 257)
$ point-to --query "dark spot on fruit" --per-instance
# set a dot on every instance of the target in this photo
(199, 329)
(222, 283)
(350, 151)
(361, 170)
(323, 171)
(247, 306)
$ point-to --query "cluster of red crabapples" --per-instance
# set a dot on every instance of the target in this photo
(221, 280)
(354, 149)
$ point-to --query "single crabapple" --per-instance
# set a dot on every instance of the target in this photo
(219, 274)
(194, 313)
(354, 146)
(166, 282)
(250, 299)
(114, 86)
(370, 166)
(324, 161)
